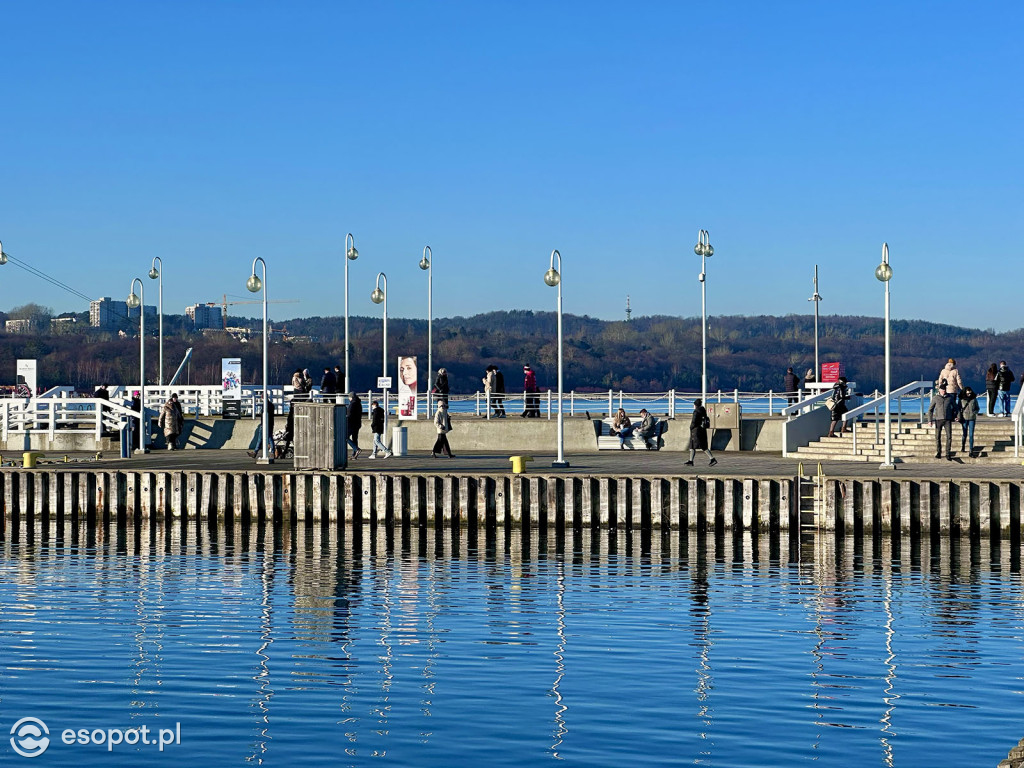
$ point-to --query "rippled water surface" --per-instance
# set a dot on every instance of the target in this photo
(299, 648)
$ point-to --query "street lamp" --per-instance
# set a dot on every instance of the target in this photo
(816, 298)
(157, 274)
(381, 295)
(3, 256)
(884, 273)
(351, 254)
(137, 301)
(255, 285)
(704, 250)
(427, 263)
(553, 277)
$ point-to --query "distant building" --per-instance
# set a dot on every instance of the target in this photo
(205, 316)
(107, 314)
(18, 326)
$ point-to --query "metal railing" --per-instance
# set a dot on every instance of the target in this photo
(915, 390)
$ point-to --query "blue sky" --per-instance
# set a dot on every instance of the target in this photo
(207, 133)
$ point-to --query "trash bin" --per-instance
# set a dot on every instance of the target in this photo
(400, 441)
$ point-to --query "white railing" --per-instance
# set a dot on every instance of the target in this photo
(916, 390)
(1018, 419)
(53, 416)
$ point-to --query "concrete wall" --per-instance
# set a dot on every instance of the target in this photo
(507, 436)
(970, 509)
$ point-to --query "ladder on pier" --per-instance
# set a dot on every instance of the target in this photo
(811, 493)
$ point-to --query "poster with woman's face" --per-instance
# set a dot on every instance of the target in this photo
(407, 388)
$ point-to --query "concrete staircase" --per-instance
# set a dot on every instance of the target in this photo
(993, 443)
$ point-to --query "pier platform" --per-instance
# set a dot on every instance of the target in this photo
(618, 490)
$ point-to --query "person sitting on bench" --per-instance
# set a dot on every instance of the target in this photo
(648, 430)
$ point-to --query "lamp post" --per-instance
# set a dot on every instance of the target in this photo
(351, 254)
(255, 285)
(138, 302)
(377, 296)
(158, 274)
(816, 298)
(3, 256)
(704, 250)
(884, 273)
(427, 263)
(553, 277)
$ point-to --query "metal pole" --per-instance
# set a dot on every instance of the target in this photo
(553, 277)
(816, 298)
(703, 249)
(351, 254)
(427, 263)
(264, 456)
(159, 275)
(377, 297)
(143, 421)
(884, 273)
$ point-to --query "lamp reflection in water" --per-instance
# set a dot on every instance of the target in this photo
(266, 691)
(561, 727)
(701, 612)
(889, 697)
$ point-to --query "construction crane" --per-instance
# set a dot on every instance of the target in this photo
(223, 303)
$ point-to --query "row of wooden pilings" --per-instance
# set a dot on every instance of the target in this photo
(974, 507)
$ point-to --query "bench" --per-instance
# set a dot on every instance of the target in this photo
(606, 441)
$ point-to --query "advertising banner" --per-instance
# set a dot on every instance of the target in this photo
(26, 378)
(407, 388)
(231, 387)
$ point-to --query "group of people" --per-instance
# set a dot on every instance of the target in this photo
(646, 429)
(953, 401)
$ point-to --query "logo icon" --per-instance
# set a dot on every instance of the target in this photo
(30, 737)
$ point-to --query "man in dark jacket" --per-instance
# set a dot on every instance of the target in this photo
(328, 384)
(355, 421)
(940, 413)
(792, 384)
(377, 428)
(1004, 379)
(499, 393)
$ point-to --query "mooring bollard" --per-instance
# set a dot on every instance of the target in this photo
(518, 463)
(29, 458)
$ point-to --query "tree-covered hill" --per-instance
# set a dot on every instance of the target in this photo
(645, 354)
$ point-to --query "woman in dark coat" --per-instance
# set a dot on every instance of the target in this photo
(840, 394)
(699, 433)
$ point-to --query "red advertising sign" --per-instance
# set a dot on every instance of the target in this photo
(830, 372)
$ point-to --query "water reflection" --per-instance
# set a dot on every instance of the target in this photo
(592, 648)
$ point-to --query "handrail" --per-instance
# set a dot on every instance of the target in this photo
(821, 397)
(1018, 423)
(872, 404)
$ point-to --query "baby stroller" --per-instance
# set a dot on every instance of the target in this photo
(283, 445)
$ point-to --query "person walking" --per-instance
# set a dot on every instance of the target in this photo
(355, 421)
(840, 394)
(171, 421)
(1004, 380)
(377, 428)
(488, 382)
(531, 400)
(443, 425)
(991, 388)
(968, 415)
(623, 428)
(258, 451)
(792, 384)
(940, 414)
(954, 383)
(499, 393)
(441, 385)
(699, 424)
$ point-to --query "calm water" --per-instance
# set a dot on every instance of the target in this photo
(295, 648)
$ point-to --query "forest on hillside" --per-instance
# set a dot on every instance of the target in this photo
(645, 354)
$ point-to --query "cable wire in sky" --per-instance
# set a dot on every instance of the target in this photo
(51, 280)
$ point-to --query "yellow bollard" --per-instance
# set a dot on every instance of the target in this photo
(29, 458)
(518, 463)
